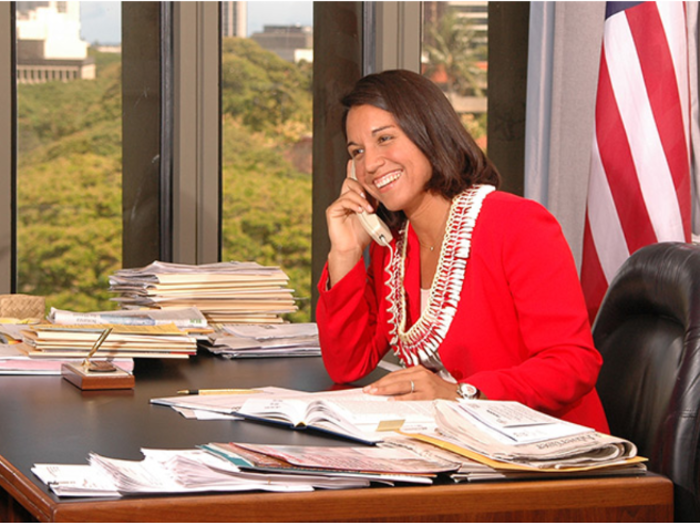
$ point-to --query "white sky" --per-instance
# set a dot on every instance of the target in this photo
(101, 21)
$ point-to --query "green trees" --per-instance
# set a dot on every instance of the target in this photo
(69, 190)
(451, 49)
(267, 109)
(456, 59)
(260, 89)
(69, 177)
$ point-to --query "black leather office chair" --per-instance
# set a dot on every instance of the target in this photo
(648, 331)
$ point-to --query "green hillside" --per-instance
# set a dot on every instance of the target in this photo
(69, 177)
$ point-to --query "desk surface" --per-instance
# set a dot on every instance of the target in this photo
(47, 420)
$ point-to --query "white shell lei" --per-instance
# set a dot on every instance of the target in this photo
(421, 342)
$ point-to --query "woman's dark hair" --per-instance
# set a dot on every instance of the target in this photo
(426, 116)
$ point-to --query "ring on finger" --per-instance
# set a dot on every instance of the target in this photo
(413, 387)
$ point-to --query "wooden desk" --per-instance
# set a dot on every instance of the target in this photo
(47, 420)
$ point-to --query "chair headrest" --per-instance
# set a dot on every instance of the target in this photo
(660, 279)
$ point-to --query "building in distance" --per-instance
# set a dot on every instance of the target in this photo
(49, 47)
(289, 42)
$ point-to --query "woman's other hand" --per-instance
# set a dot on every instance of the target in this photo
(416, 383)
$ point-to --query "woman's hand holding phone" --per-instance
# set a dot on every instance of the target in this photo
(349, 233)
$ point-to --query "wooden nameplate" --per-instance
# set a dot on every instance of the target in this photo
(85, 379)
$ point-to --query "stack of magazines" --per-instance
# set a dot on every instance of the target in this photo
(226, 293)
(58, 341)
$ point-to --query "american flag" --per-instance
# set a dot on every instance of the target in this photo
(639, 187)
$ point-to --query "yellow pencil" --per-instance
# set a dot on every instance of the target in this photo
(218, 391)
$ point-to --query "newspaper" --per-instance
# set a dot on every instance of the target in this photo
(180, 317)
(512, 433)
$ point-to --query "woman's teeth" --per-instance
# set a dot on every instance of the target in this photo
(387, 179)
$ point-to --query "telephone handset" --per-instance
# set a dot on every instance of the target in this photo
(371, 223)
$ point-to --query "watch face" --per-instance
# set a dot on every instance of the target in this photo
(467, 391)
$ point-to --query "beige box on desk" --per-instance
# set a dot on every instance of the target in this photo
(22, 306)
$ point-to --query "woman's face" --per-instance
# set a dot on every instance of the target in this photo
(387, 163)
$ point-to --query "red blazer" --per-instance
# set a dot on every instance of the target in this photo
(521, 331)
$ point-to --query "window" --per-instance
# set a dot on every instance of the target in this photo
(266, 111)
(455, 57)
(69, 210)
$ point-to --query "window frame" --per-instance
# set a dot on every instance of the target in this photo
(8, 148)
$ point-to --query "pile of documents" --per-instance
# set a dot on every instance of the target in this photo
(464, 441)
(265, 340)
(166, 472)
(58, 341)
(501, 438)
(41, 348)
(226, 293)
(235, 467)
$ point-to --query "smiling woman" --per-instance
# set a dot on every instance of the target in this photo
(384, 155)
(495, 312)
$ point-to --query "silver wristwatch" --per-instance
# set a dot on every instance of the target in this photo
(467, 391)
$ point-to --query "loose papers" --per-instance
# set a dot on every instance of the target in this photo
(479, 440)
(266, 340)
(170, 472)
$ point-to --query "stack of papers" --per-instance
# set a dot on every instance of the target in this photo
(467, 441)
(172, 472)
(509, 436)
(234, 467)
(56, 341)
(266, 340)
(226, 293)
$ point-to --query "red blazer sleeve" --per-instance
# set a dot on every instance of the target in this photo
(350, 323)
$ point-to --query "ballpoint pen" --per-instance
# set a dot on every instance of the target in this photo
(218, 391)
(105, 366)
